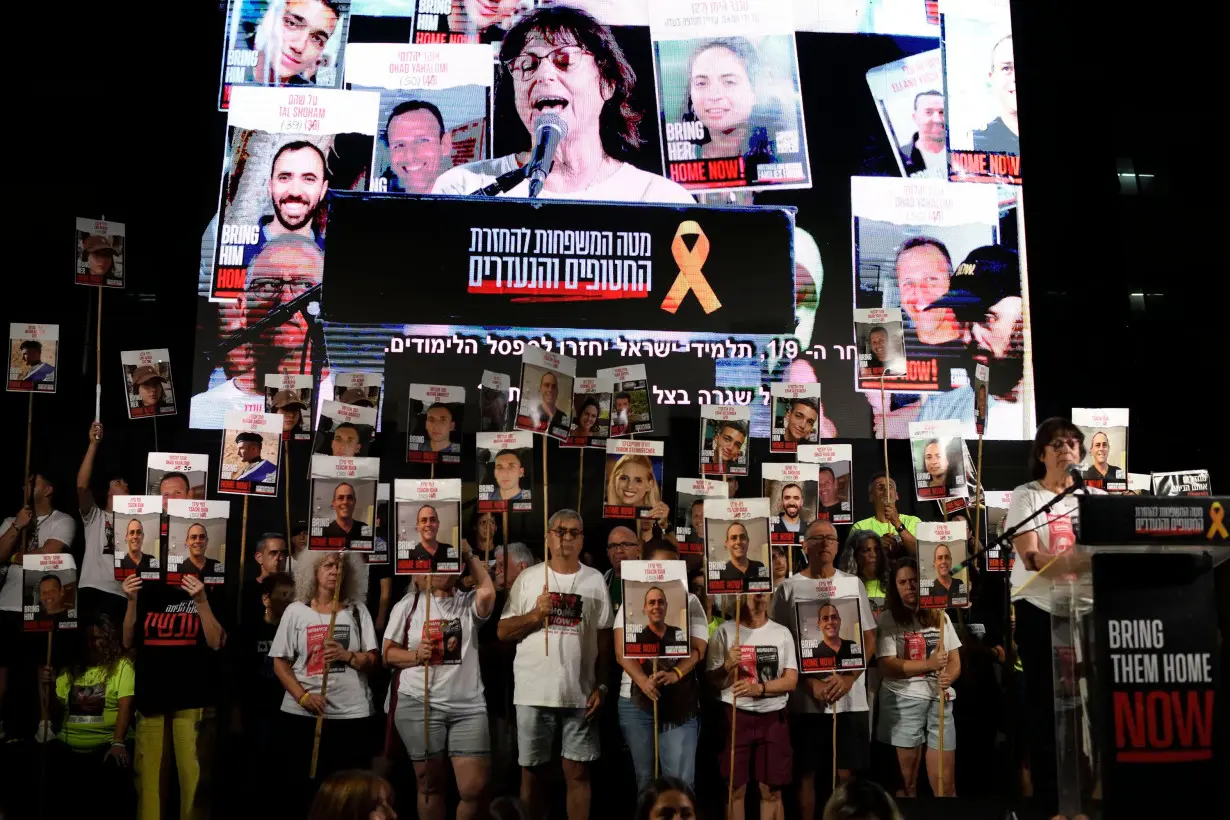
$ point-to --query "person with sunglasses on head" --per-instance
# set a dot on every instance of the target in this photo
(811, 703)
(559, 683)
(561, 61)
(1058, 445)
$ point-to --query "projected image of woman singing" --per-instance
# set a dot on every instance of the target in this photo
(561, 61)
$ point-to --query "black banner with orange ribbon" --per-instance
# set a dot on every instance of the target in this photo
(394, 259)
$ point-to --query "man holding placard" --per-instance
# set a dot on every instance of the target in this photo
(841, 696)
(887, 521)
(559, 691)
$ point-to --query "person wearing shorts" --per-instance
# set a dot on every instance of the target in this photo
(756, 676)
(915, 670)
(454, 724)
(559, 681)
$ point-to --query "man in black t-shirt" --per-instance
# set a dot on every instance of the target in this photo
(833, 645)
(658, 637)
(1002, 134)
(1100, 469)
(739, 567)
(343, 524)
(428, 548)
(197, 540)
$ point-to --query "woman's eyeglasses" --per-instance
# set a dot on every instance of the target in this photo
(524, 66)
(1071, 443)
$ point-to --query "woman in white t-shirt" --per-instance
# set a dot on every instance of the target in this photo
(301, 651)
(915, 670)
(560, 60)
(1058, 445)
(456, 717)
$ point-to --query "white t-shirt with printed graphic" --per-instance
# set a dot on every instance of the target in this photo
(798, 588)
(1056, 531)
(581, 606)
(767, 652)
(98, 568)
(698, 629)
(54, 526)
(300, 641)
(454, 682)
(914, 642)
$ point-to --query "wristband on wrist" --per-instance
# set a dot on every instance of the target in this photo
(678, 674)
(764, 690)
(119, 743)
(303, 698)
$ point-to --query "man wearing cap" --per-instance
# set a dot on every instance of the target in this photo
(147, 384)
(254, 469)
(357, 397)
(37, 370)
(288, 403)
(99, 255)
(985, 296)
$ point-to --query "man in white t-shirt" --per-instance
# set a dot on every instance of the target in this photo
(97, 589)
(557, 679)
(811, 704)
(756, 674)
(48, 531)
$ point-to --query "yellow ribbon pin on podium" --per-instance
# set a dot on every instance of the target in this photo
(690, 277)
(1217, 514)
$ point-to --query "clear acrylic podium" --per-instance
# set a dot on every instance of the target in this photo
(1117, 572)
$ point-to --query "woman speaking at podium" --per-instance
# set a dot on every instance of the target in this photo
(562, 61)
(1058, 446)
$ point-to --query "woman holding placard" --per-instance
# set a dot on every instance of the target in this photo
(329, 590)
(454, 727)
(918, 660)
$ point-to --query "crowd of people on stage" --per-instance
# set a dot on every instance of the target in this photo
(462, 676)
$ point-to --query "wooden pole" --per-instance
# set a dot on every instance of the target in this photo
(978, 499)
(734, 715)
(943, 697)
(29, 499)
(427, 669)
(324, 681)
(286, 464)
(884, 430)
(505, 514)
(656, 763)
(835, 744)
(98, 360)
(243, 552)
(580, 477)
(546, 548)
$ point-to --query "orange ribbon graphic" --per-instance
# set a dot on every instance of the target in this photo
(1216, 514)
(690, 277)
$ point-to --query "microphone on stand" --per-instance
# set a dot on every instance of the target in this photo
(549, 131)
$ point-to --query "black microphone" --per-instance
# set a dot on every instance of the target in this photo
(549, 132)
(1078, 480)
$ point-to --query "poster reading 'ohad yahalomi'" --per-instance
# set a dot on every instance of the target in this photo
(286, 149)
(293, 43)
(434, 109)
(728, 94)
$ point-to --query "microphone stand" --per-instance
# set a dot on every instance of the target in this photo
(307, 305)
(1011, 532)
(503, 183)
